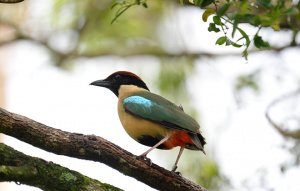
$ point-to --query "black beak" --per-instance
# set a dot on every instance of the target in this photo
(101, 83)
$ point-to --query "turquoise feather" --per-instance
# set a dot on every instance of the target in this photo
(159, 110)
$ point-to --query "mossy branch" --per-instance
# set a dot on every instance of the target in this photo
(91, 147)
(23, 169)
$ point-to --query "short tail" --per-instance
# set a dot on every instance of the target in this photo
(198, 140)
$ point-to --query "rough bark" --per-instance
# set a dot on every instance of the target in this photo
(91, 147)
(11, 1)
(2, 90)
(23, 169)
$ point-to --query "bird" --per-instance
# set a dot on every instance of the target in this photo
(151, 119)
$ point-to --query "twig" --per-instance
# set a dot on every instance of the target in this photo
(293, 134)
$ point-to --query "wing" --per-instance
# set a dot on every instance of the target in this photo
(161, 111)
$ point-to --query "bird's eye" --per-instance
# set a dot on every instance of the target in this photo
(117, 77)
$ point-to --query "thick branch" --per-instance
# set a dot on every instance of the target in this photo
(24, 169)
(11, 1)
(287, 133)
(91, 147)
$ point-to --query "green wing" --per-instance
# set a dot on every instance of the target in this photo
(159, 110)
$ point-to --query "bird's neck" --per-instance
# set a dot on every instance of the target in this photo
(128, 90)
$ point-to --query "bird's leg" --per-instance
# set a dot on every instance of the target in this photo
(175, 165)
(159, 143)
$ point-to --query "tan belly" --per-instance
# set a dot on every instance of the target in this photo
(137, 127)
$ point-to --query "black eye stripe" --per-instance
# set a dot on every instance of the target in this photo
(117, 77)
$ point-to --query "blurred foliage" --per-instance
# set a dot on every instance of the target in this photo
(173, 76)
(126, 5)
(229, 14)
(172, 82)
(248, 81)
(206, 172)
(293, 146)
(260, 13)
(92, 20)
(287, 124)
(85, 29)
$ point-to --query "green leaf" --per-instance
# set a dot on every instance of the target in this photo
(212, 27)
(223, 9)
(217, 20)
(260, 43)
(265, 3)
(245, 36)
(181, 2)
(221, 40)
(291, 11)
(206, 2)
(230, 42)
(275, 25)
(118, 3)
(234, 44)
(235, 25)
(248, 81)
(244, 8)
(256, 20)
(246, 18)
(207, 13)
(145, 5)
(232, 15)
(245, 53)
(197, 2)
(113, 5)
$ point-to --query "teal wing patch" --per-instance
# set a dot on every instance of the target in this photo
(161, 111)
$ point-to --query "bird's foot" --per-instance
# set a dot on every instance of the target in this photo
(174, 170)
(145, 158)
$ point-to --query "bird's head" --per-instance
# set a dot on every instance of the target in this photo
(117, 79)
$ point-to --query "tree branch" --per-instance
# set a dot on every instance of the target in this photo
(287, 133)
(91, 147)
(21, 168)
(60, 57)
(11, 1)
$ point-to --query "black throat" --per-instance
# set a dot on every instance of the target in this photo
(115, 84)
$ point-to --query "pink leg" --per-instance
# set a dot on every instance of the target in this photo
(175, 165)
(159, 143)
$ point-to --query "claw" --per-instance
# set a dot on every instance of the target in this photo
(174, 168)
(146, 159)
